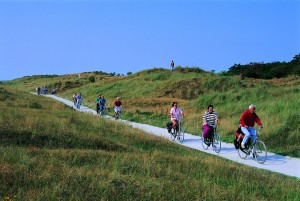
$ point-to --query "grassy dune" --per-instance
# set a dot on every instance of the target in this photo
(147, 98)
(51, 152)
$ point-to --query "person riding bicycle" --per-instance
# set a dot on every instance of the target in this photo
(98, 103)
(118, 106)
(102, 103)
(175, 113)
(210, 119)
(79, 100)
(247, 122)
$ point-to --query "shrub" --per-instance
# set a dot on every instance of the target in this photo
(92, 79)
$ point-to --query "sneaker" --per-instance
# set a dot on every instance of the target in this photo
(243, 145)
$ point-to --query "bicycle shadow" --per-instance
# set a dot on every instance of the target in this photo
(274, 159)
(192, 140)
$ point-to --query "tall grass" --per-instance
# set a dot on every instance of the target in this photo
(51, 152)
(147, 98)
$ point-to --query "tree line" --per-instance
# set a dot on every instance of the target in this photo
(263, 70)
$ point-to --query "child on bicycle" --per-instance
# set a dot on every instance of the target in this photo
(210, 119)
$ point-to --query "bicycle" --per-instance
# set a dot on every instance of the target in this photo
(102, 110)
(177, 132)
(119, 115)
(214, 140)
(258, 149)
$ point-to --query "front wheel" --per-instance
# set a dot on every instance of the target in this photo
(180, 136)
(260, 152)
(217, 143)
(173, 134)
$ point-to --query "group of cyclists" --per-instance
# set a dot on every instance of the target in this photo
(101, 105)
(41, 90)
(210, 121)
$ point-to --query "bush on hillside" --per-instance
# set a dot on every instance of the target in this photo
(188, 70)
(266, 70)
(92, 79)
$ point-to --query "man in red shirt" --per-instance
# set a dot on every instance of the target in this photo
(118, 106)
(247, 122)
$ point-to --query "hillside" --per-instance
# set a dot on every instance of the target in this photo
(147, 98)
(51, 152)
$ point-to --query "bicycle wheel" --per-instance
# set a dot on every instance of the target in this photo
(180, 135)
(242, 154)
(216, 143)
(260, 152)
(173, 134)
(205, 144)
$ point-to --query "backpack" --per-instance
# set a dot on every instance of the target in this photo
(169, 126)
(239, 136)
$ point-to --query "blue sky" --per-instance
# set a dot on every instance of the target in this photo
(73, 36)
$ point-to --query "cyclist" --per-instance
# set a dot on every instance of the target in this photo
(175, 113)
(118, 106)
(79, 100)
(210, 119)
(75, 99)
(102, 103)
(247, 121)
(98, 103)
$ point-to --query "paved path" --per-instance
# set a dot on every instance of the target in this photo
(276, 163)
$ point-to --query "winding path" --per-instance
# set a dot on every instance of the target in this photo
(281, 164)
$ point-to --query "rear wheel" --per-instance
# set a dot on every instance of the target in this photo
(180, 136)
(242, 154)
(205, 144)
(217, 143)
(260, 152)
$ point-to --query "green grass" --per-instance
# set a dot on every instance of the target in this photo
(49, 151)
(147, 98)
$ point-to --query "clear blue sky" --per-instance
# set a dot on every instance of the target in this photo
(73, 36)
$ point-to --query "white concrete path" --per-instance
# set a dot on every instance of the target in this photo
(276, 163)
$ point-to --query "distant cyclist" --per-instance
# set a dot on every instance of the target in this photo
(118, 106)
(102, 104)
(247, 122)
(175, 113)
(210, 119)
(74, 97)
(79, 100)
(98, 103)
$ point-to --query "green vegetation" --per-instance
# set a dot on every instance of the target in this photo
(51, 152)
(147, 97)
(267, 70)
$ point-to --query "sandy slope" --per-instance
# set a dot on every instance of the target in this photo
(276, 163)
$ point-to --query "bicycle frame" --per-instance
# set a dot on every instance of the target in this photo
(214, 140)
(177, 132)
